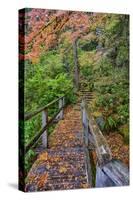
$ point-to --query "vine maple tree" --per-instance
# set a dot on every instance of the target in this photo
(44, 29)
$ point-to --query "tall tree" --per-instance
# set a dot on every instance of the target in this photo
(76, 64)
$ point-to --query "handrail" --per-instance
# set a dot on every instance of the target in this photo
(101, 146)
(108, 172)
(32, 114)
(37, 136)
(45, 122)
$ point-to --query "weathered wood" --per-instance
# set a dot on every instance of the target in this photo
(44, 123)
(61, 106)
(109, 172)
(102, 148)
(114, 173)
(38, 135)
(63, 99)
(86, 143)
(94, 136)
(88, 166)
(92, 166)
(30, 115)
(100, 143)
(85, 123)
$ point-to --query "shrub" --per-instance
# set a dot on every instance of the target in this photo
(110, 124)
(124, 131)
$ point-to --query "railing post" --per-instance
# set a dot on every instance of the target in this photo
(63, 99)
(44, 122)
(85, 123)
(61, 104)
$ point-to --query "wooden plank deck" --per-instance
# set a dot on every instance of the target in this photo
(64, 164)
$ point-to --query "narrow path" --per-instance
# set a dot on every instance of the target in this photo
(63, 165)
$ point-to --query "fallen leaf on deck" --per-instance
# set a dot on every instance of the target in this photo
(43, 156)
(42, 180)
(62, 170)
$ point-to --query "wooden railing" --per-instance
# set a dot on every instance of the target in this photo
(94, 136)
(45, 122)
(108, 172)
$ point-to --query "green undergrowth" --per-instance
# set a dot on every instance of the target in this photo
(111, 97)
(105, 72)
(45, 81)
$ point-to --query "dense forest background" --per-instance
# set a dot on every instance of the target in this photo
(102, 45)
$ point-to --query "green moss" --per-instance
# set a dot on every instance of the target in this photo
(97, 114)
(124, 131)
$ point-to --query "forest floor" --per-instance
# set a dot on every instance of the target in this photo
(119, 149)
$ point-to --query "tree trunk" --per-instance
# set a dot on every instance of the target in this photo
(76, 66)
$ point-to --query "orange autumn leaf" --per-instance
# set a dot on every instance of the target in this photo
(84, 185)
(42, 180)
(30, 179)
(44, 29)
(43, 156)
(62, 169)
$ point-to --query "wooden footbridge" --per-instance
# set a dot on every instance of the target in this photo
(75, 154)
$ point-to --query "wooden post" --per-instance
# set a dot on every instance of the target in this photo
(44, 122)
(85, 124)
(61, 105)
(76, 66)
(63, 99)
(113, 173)
(61, 102)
